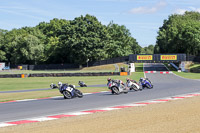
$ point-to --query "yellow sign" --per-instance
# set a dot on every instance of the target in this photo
(168, 57)
(144, 57)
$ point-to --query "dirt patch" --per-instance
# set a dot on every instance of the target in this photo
(180, 116)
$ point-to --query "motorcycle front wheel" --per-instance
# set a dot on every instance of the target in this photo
(67, 95)
(115, 90)
(78, 93)
(134, 87)
(148, 86)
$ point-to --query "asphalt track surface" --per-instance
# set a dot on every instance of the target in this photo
(165, 85)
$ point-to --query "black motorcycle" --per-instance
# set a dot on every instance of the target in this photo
(82, 84)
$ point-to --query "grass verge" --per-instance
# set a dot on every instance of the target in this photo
(43, 94)
(139, 67)
(188, 75)
(102, 68)
(11, 84)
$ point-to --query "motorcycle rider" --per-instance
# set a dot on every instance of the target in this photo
(61, 86)
(143, 79)
(148, 80)
(128, 79)
(109, 80)
(119, 82)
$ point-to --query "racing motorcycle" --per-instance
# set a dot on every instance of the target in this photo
(117, 87)
(133, 85)
(145, 82)
(82, 84)
(68, 91)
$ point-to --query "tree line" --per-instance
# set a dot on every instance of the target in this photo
(85, 39)
(67, 41)
(180, 34)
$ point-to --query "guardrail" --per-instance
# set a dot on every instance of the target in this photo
(174, 66)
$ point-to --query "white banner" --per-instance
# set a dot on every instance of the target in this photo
(132, 67)
(2, 65)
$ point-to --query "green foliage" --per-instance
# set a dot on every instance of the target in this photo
(24, 45)
(84, 39)
(2, 48)
(180, 34)
(148, 50)
(67, 41)
(120, 41)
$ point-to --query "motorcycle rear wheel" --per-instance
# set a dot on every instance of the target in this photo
(67, 95)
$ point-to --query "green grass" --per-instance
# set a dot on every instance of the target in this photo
(139, 67)
(42, 94)
(188, 75)
(11, 84)
(197, 65)
(52, 71)
(195, 68)
(8, 84)
(102, 68)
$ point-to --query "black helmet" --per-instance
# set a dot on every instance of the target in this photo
(127, 79)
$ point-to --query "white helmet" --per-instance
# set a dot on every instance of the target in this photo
(59, 83)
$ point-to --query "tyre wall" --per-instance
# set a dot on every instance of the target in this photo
(59, 74)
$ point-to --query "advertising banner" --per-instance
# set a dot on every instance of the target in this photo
(2, 65)
(132, 67)
(168, 57)
(144, 57)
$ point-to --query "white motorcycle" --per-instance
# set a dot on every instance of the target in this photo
(117, 87)
(133, 85)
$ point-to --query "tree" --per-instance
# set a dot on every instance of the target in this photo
(28, 50)
(83, 39)
(24, 45)
(148, 50)
(52, 31)
(180, 34)
(67, 41)
(120, 41)
(2, 49)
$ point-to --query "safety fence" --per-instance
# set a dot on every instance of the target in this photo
(193, 58)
